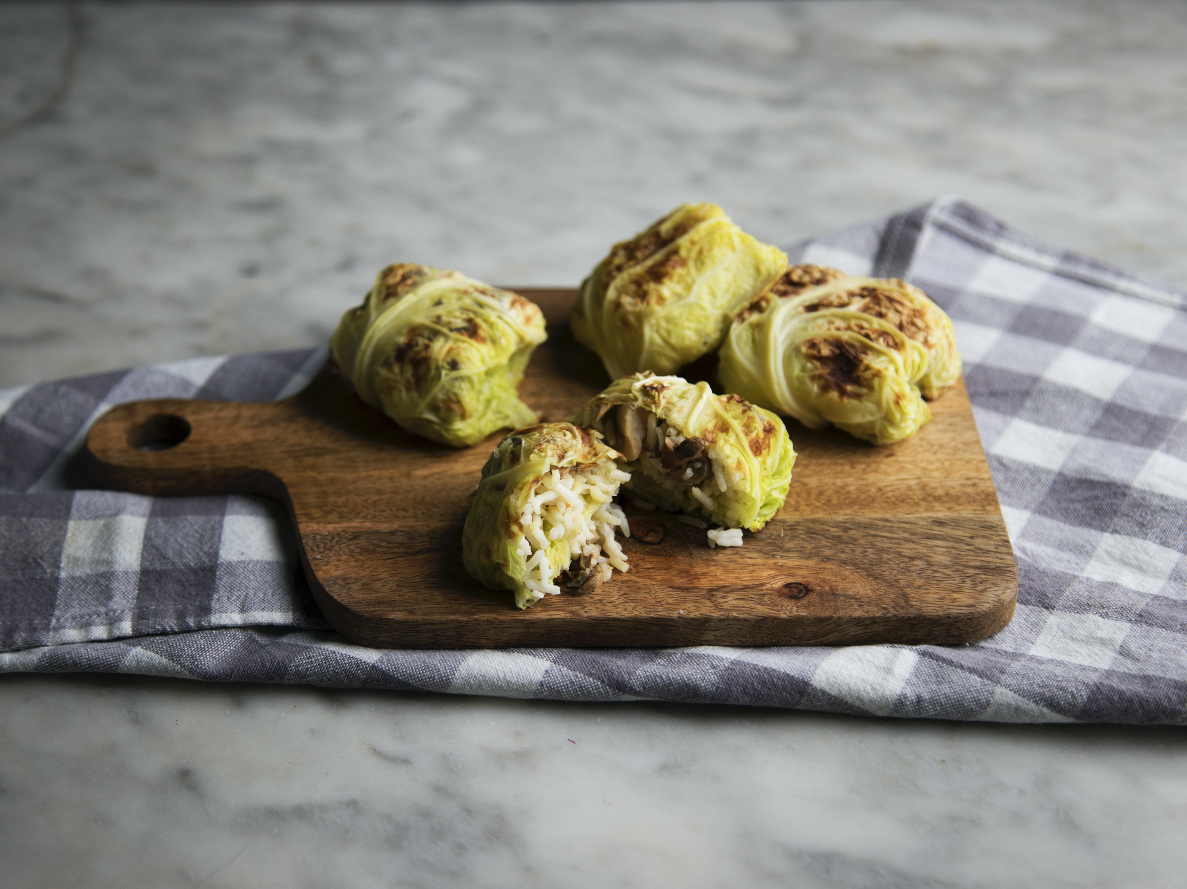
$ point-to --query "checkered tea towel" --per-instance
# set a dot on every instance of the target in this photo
(1078, 377)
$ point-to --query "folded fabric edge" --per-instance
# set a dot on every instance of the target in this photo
(893, 243)
(325, 660)
(35, 635)
(976, 226)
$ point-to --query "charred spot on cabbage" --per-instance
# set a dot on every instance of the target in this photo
(862, 354)
(838, 366)
(665, 297)
(439, 353)
(648, 243)
(793, 281)
(402, 277)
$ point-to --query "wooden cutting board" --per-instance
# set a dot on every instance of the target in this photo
(895, 544)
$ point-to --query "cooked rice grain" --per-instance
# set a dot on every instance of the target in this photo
(578, 508)
(725, 537)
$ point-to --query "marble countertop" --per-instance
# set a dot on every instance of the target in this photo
(179, 180)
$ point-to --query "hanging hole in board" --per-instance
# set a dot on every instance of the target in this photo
(160, 432)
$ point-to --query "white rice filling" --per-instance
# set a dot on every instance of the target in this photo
(697, 499)
(581, 508)
(701, 498)
(578, 508)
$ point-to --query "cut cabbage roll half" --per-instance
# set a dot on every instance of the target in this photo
(440, 353)
(864, 354)
(543, 514)
(716, 457)
(665, 297)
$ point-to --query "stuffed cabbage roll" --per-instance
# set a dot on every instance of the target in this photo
(544, 514)
(666, 297)
(440, 353)
(864, 354)
(714, 456)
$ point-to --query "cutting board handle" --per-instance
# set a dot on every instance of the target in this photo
(175, 446)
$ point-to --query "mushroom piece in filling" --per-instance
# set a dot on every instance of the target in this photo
(544, 514)
(715, 458)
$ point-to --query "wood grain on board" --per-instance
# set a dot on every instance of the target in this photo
(896, 544)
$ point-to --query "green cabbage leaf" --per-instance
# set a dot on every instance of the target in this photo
(493, 535)
(665, 297)
(722, 458)
(862, 354)
(442, 354)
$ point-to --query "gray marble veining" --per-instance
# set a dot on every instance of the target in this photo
(228, 178)
(162, 783)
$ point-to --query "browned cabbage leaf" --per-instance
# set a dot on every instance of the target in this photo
(864, 354)
(665, 297)
(440, 353)
(545, 506)
(687, 449)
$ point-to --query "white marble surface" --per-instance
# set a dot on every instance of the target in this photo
(228, 178)
(107, 781)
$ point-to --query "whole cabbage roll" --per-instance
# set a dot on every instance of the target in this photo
(666, 297)
(440, 353)
(864, 354)
(689, 450)
(544, 511)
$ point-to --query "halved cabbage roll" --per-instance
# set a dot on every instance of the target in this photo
(864, 354)
(666, 297)
(714, 456)
(545, 507)
(440, 353)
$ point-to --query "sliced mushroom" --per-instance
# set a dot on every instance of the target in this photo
(586, 582)
(588, 579)
(672, 456)
(691, 473)
(632, 430)
(691, 448)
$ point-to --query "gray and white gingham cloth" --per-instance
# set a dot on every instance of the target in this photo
(1078, 377)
